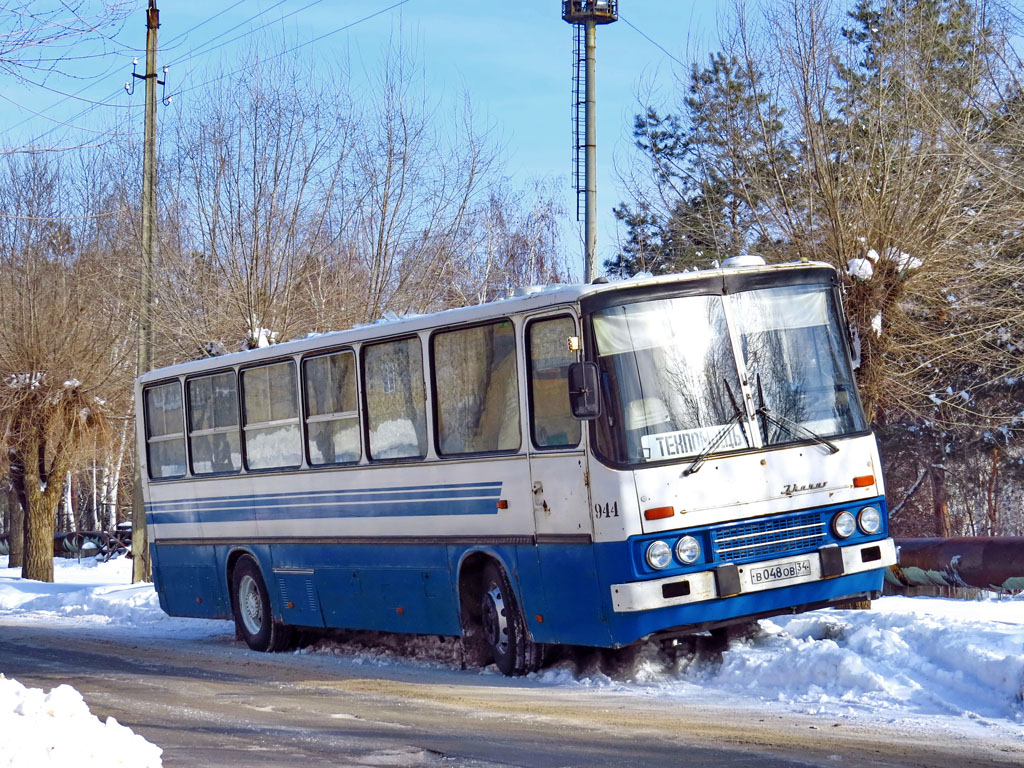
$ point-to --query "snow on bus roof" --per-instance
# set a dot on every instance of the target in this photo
(530, 298)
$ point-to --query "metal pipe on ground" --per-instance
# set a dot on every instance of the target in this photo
(972, 561)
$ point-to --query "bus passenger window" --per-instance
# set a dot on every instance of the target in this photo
(332, 411)
(396, 407)
(476, 389)
(551, 421)
(165, 430)
(213, 424)
(271, 417)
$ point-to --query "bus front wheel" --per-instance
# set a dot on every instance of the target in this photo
(254, 620)
(504, 628)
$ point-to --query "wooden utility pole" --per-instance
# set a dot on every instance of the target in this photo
(142, 569)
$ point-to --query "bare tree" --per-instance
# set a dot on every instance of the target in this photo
(415, 191)
(881, 138)
(56, 360)
(251, 192)
(39, 36)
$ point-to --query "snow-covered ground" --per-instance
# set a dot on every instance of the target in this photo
(953, 663)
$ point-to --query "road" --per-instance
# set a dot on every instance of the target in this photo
(212, 702)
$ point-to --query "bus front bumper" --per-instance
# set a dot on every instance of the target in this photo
(729, 580)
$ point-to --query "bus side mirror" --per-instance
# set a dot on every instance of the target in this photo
(584, 390)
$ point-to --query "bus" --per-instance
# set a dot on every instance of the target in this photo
(588, 465)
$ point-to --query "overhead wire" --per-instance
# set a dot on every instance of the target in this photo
(77, 94)
(197, 50)
(47, 117)
(649, 39)
(30, 147)
(294, 48)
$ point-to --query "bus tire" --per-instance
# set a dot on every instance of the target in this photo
(254, 619)
(504, 628)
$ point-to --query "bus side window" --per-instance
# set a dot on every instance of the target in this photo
(270, 405)
(396, 406)
(476, 389)
(332, 408)
(213, 424)
(551, 421)
(165, 430)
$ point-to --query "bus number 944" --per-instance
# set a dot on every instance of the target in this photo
(608, 509)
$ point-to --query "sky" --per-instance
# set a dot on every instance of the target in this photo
(513, 60)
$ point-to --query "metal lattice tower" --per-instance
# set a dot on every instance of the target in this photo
(586, 15)
(578, 116)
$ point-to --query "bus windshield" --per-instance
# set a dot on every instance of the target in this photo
(671, 377)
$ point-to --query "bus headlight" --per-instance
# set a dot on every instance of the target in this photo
(687, 550)
(659, 555)
(844, 524)
(870, 520)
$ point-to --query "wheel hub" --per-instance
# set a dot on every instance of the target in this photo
(250, 606)
(495, 620)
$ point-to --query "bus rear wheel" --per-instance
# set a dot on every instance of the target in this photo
(504, 628)
(254, 620)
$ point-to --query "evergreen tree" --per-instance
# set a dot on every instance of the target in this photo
(712, 169)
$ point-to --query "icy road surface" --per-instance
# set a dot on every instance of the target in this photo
(910, 682)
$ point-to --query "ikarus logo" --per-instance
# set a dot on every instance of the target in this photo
(790, 488)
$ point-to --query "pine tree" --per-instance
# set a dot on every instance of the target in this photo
(711, 172)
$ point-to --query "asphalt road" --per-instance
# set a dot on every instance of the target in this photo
(212, 702)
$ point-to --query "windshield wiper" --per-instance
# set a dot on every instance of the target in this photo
(786, 423)
(737, 418)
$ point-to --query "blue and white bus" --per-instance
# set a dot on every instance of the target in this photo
(586, 465)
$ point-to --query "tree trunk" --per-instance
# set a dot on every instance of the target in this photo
(940, 501)
(112, 481)
(40, 520)
(16, 533)
(40, 516)
(142, 567)
(993, 512)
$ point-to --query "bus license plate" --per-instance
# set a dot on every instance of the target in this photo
(780, 572)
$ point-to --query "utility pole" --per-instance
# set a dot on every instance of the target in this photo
(590, 218)
(586, 15)
(142, 569)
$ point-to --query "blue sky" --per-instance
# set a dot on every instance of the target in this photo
(513, 59)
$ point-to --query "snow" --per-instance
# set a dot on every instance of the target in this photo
(876, 323)
(940, 663)
(860, 269)
(57, 729)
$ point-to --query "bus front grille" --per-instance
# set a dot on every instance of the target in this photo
(757, 539)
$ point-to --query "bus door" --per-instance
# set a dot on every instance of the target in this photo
(560, 494)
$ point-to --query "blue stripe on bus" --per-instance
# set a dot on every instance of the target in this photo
(289, 500)
(423, 501)
(401, 491)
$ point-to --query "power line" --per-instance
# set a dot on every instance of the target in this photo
(285, 52)
(76, 94)
(195, 51)
(206, 21)
(650, 40)
(31, 146)
(85, 217)
(47, 117)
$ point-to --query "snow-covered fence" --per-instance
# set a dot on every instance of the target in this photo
(977, 562)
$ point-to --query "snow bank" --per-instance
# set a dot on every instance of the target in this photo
(57, 729)
(96, 594)
(906, 657)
